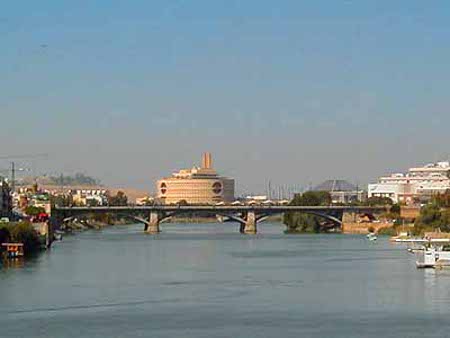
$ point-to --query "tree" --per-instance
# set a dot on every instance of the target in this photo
(445, 220)
(5, 236)
(442, 200)
(24, 232)
(300, 222)
(430, 215)
(61, 200)
(92, 203)
(311, 198)
(395, 209)
(374, 201)
(31, 210)
(431, 218)
(120, 199)
(149, 202)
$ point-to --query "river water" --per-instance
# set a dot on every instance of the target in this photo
(207, 280)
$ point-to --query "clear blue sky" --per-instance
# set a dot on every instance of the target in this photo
(292, 91)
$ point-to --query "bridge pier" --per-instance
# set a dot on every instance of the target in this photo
(242, 228)
(153, 224)
(250, 223)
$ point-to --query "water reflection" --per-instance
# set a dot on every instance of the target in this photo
(210, 281)
(12, 263)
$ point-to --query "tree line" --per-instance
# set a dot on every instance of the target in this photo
(301, 222)
(434, 216)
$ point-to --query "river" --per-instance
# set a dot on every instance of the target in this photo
(207, 280)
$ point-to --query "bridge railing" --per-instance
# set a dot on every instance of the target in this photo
(222, 208)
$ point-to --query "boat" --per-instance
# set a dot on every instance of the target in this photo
(401, 240)
(58, 235)
(13, 250)
(401, 237)
(371, 236)
(415, 249)
(434, 254)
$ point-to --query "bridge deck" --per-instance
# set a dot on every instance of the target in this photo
(212, 208)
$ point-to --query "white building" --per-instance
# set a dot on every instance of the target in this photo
(417, 184)
(97, 197)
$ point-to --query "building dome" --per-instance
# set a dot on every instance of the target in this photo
(335, 185)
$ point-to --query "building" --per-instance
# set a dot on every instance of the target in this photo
(146, 200)
(341, 191)
(90, 197)
(418, 184)
(199, 185)
(5, 198)
(41, 200)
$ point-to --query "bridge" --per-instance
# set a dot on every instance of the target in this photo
(248, 216)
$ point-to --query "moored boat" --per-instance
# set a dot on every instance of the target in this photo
(434, 254)
(371, 236)
(13, 250)
(401, 237)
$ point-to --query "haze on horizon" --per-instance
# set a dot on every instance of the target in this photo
(292, 91)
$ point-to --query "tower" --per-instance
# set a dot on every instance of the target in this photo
(206, 161)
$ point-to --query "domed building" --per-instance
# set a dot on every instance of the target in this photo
(199, 185)
(341, 191)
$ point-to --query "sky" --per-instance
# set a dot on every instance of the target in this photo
(294, 92)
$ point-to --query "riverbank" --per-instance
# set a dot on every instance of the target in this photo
(93, 224)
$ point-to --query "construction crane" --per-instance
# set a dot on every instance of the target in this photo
(13, 165)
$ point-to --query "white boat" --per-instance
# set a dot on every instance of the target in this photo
(401, 237)
(434, 254)
(416, 248)
(371, 236)
(401, 240)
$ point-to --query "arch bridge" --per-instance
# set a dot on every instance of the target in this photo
(248, 216)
